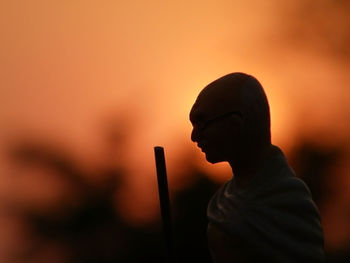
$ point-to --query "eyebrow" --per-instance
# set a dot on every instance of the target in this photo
(196, 116)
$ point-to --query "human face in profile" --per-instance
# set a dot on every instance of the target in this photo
(216, 135)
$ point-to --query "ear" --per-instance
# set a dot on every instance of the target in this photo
(237, 124)
(236, 120)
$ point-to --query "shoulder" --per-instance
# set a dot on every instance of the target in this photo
(285, 193)
(277, 181)
(283, 184)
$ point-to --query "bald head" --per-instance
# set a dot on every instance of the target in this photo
(236, 92)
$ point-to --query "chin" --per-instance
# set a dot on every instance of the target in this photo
(213, 159)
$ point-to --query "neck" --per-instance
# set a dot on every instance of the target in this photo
(248, 163)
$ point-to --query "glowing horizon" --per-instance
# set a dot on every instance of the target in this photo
(70, 66)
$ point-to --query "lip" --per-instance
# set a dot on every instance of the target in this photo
(201, 145)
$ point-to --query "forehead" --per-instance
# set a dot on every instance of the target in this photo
(213, 101)
(198, 113)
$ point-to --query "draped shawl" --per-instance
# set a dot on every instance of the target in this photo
(274, 214)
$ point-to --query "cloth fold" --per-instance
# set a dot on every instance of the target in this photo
(274, 214)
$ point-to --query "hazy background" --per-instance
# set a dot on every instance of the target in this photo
(87, 88)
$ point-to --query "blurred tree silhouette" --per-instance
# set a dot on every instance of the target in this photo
(314, 164)
(317, 163)
(190, 207)
(84, 225)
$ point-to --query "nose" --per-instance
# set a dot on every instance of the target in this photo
(194, 134)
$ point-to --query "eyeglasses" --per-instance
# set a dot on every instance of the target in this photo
(207, 123)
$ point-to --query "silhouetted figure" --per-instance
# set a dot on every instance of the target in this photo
(264, 213)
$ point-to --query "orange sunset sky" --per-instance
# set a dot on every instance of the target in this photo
(69, 66)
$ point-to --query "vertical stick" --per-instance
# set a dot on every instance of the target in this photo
(164, 199)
